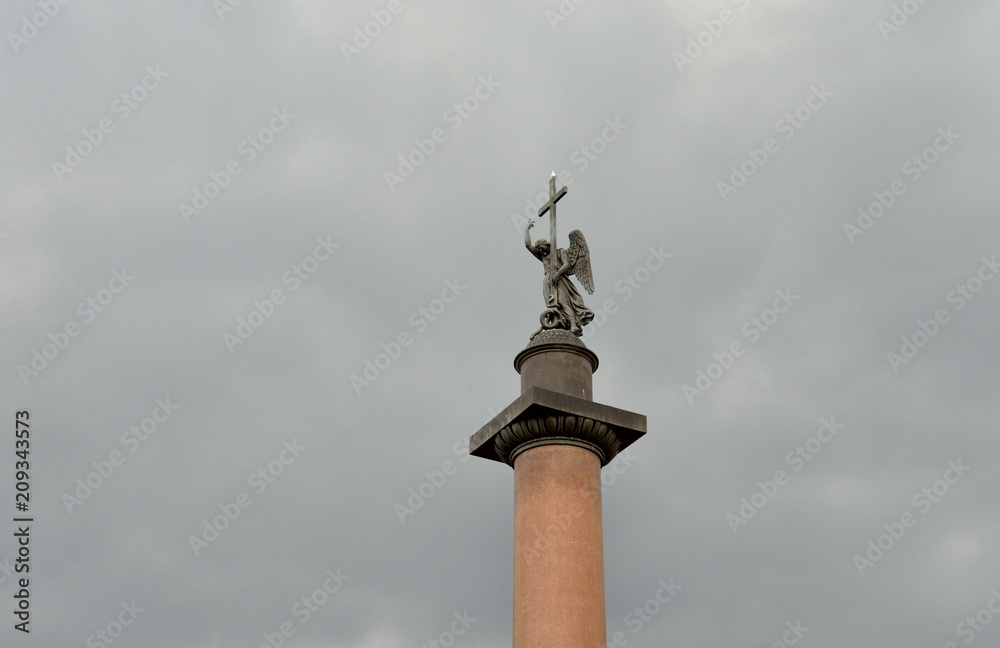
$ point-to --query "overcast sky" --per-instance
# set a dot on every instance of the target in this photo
(216, 218)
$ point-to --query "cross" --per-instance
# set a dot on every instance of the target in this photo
(551, 205)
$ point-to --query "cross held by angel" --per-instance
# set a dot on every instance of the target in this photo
(564, 304)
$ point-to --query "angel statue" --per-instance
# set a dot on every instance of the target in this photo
(564, 305)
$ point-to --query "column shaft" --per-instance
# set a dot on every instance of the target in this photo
(558, 549)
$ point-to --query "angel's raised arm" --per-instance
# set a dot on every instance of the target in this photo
(527, 242)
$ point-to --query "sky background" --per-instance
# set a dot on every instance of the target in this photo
(823, 104)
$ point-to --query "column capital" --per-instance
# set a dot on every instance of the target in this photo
(541, 416)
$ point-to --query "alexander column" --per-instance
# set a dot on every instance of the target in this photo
(557, 439)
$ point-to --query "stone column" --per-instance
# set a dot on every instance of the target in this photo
(558, 549)
(558, 528)
(557, 440)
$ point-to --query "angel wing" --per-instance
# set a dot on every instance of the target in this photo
(579, 260)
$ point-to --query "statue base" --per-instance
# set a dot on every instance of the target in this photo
(556, 406)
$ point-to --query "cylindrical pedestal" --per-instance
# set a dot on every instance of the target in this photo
(561, 367)
(558, 549)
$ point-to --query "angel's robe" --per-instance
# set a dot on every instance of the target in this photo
(566, 298)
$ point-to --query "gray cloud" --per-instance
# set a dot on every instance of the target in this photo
(453, 219)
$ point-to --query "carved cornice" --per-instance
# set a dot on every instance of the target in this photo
(559, 429)
(508, 432)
